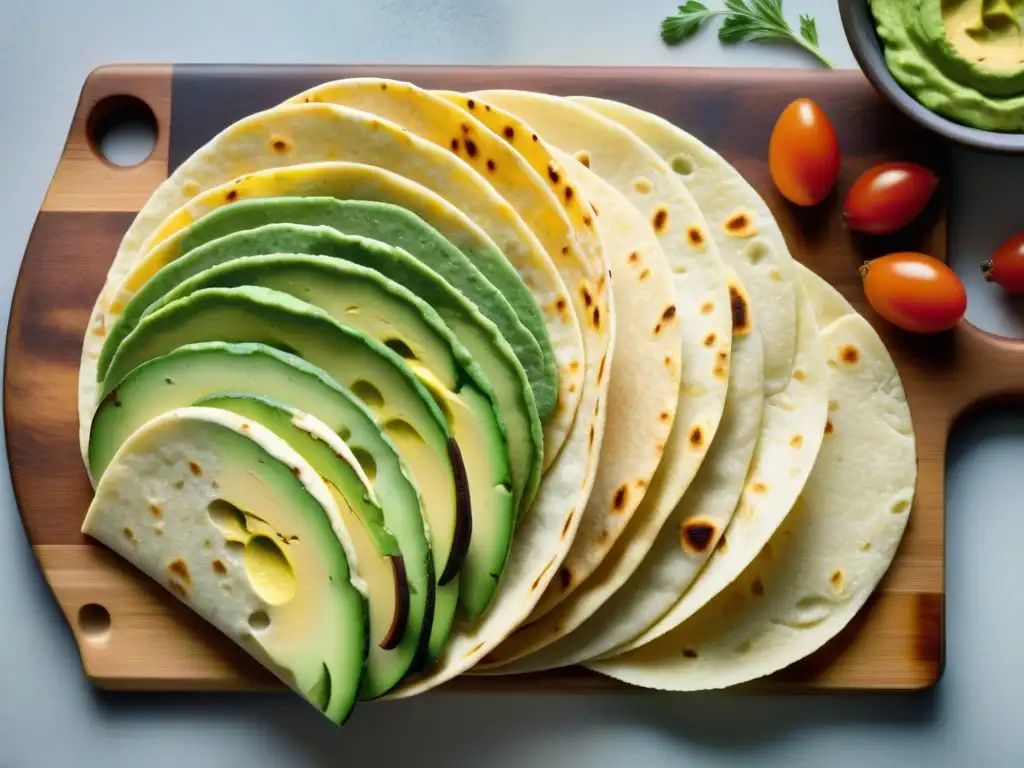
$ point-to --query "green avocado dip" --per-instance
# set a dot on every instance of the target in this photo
(963, 59)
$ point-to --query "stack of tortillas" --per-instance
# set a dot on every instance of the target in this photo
(543, 367)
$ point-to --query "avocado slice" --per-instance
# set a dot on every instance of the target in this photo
(241, 529)
(193, 372)
(385, 222)
(378, 556)
(481, 338)
(364, 300)
(374, 374)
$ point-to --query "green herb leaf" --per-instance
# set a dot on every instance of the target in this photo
(685, 23)
(808, 29)
(745, 20)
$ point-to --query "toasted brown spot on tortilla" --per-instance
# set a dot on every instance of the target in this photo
(740, 310)
(540, 577)
(689, 653)
(568, 523)
(279, 145)
(569, 192)
(645, 273)
(470, 147)
(534, 137)
(829, 429)
(659, 448)
(796, 441)
(696, 437)
(564, 578)
(597, 317)
(775, 274)
(668, 361)
(554, 175)
(574, 365)
(758, 487)
(641, 482)
(179, 590)
(245, 426)
(836, 579)
(660, 219)
(583, 157)
(697, 536)
(740, 224)
(195, 469)
(592, 434)
(474, 649)
(669, 313)
(219, 568)
(850, 354)
(588, 221)
(722, 546)
(231, 195)
(634, 257)
(561, 304)
(620, 498)
(707, 307)
(602, 280)
(491, 165)
(665, 416)
(155, 510)
(799, 374)
(757, 588)
(695, 236)
(471, 104)
(130, 534)
(710, 339)
(600, 369)
(510, 132)
(455, 145)
(180, 569)
(296, 471)
(571, 388)
(588, 299)
(100, 331)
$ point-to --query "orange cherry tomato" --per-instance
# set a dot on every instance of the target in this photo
(803, 155)
(915, 292)
(888, 197)
(1007, 265)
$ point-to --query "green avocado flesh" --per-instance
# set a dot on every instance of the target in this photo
(362, 299)
(262, 561)
(200, 371)
(403, 406)
(480, 337)
(378, 556)
(523, 329)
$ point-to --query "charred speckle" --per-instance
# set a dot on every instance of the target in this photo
(597, 317)
(660, 220)
(568, 523)
(195, 469)
(219, 568)
(757, 588)
(621, 495)
(669, 313)
(689, 653)
(588, 221)
(180, 569)
(695, 236)
(737, 223)
(634, 257)
(696, 437)
(568, 196)
(565, 577)
(601, 367)
(697, 536)
(592, 434)
(470, 147)
(560, 305)
(455, 144)
(587, 298)
(471, 104)
(231, 196)
(829, 429)
(534, 137)
(179, 590)
(645, 273)
(490, 165)
(740, 312)
(510, 132)
(155, 510)
(850, 354)
(553, 175)
(710, 339)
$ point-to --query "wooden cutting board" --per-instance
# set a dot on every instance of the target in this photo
(133, 634)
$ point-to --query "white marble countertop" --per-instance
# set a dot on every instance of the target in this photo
(49, 715)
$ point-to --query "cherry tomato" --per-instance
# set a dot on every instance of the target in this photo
(803, 155)
(1007, 265)
(915, 292)
(888, 197)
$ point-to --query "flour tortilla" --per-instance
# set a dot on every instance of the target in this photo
(307, 133)
(830, 553)
(748, 237)
(792, 428)
(620, 159)
(574, 248)
(643, 398)
(684, 542)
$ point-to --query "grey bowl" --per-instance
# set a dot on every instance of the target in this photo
(867, 49)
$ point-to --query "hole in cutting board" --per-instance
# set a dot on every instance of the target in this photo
(122, 130)
(94, 622)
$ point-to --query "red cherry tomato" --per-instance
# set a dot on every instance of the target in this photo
(803, 155)
(888, 197)
(915, 292)
(1007, 265)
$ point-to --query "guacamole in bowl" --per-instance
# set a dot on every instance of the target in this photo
(962, 59)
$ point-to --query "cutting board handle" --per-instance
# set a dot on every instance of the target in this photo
(987, 369)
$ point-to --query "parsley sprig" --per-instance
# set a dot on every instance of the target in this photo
(745, 20)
